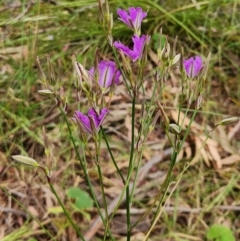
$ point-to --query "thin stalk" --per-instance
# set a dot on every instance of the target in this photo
(168, 178)
(103, 197)
(128, 199)
(113, 159)
(179, 112)
(84, 168)
(177, 183)
(162, 191)
(29, 213)
(187, 130)
(121, 69)
(65, 211)
(136, 175)
(150, 112)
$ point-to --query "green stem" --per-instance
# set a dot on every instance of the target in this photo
(166, 183)
(162, 191)
(84, 168)
(65, 211)
(113, 159)
(178, 180)
(103, 196)
(187, 130)
(139, 158)
(128, 198)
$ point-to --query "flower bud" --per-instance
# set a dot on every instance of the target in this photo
(228, 121)
(46, 93)
(174, 129)
(199, 102)
(176, 59)
(26, 160)
(83, 76)
(165, 118)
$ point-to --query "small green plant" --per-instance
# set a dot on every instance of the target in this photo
(218, 232)
(81, 198)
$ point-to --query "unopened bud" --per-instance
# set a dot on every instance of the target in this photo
(110, 40)
(165, 118)
(83, 76)
(46, 93)
(174, 129)
(166, 51)
(145, 52)
(100, 8)
(228, 121)
(199, 102)
(176, 59)
(126, 66)
(26, 160)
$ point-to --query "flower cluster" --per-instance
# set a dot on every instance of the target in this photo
(133, 20)
(106, 75)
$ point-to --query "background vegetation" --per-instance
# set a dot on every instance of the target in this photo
(208, 193)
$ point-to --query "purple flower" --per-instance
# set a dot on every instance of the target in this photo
(134, 18)
(193, 66)
(92, 116)
(108, 74)
(138, 46)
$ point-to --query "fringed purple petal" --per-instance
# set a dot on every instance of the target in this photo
(138, 46)
(102, 115)
(124, 16)
(125, 49)
(136, 16)
(97, 119)
(84, 121)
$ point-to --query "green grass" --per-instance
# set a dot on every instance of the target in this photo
(72, 27)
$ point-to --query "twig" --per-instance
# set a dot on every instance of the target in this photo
(181, 209)
(12, 210)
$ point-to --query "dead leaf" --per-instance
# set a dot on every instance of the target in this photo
(233, 131)
(202, 153)
(215, 154)
(230, 160)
